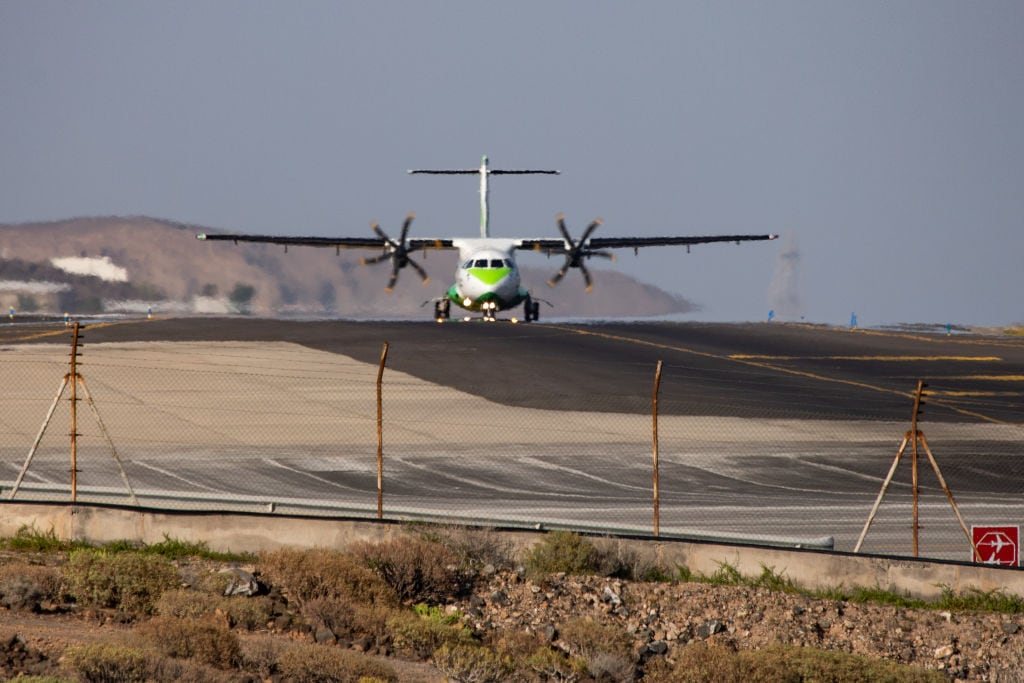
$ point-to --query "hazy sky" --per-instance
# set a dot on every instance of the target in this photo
(883, 139)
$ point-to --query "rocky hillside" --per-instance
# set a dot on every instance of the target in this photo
(88, 265)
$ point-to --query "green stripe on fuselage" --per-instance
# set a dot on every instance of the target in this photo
(489, 276)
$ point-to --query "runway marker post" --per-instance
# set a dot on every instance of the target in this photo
(74, 378)
(380, 431)
(916, 437)
(654, 413)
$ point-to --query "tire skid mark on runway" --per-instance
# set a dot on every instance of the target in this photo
(479, 483)
(305, 473)
(725, 473)
(785, 370)
(544, 465)
(178, 477)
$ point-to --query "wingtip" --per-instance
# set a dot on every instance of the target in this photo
(201, 236)
(773, 236)
(589, 289)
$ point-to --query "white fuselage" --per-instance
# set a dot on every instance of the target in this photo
(487, 276)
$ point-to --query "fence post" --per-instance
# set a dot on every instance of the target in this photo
(380, 432)
(654, 412)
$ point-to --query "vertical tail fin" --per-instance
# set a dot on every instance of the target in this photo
(484, 171)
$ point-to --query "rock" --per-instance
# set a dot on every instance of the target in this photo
(944, 651)
(1010, 627)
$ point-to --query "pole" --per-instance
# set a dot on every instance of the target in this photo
(74, 413)
(380, 432)
(654, 412)
(916, 436)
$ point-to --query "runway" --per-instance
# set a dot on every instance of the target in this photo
(765, 430)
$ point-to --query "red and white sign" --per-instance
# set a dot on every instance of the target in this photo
(997, 544)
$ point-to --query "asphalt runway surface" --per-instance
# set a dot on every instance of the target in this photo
(766, 431)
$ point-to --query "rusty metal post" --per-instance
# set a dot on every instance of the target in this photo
(74, 413)
(654, 413)
(380, 432)
(915, 435)
(952, 501)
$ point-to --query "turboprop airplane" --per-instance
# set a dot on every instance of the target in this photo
(487, 279)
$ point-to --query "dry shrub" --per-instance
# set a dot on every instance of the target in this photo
(473, 548)
(779, 663)
(325, 664)
(25, 586)
(250, 613)
(101, 663)
(422, 635)
(207, 642)
(350, 622)
(470, 663)
(606, 649)
(305, 575)
(185, 604)
(128, 581)
(417, 570)
(259, 656)
(561, 551)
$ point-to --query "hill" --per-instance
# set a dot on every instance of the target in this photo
(89, 265)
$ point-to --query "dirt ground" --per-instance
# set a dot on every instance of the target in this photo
(662, 617)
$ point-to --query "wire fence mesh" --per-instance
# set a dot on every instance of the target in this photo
(280, 428)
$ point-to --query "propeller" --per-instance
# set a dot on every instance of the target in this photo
(397, 252)
(576, 252)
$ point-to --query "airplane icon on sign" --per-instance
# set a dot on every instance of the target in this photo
(1000, 548)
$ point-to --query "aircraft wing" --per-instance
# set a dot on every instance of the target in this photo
(544, 244)
(333, 242)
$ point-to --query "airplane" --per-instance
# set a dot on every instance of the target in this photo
(487, 279)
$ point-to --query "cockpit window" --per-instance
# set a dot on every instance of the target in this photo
(468, 264)
(496, 263)
(480, 263)
(508, 263)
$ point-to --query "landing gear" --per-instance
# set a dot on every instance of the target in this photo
(442, 310)
(531, 310)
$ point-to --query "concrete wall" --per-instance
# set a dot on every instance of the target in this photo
(252, 533)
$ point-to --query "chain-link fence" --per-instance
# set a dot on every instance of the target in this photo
(279, 428)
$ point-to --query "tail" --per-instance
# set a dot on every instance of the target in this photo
(483, 171)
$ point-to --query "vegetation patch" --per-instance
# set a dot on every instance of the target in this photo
(126, 581)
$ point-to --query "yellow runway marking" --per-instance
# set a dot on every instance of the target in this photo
(883, 359)
(65, 331)
(777, 368)
(989, 378)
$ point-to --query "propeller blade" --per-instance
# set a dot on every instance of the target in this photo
(586, 277)
(374, 259)
(391, 282)
(565, 232)
(590, 228)
(419, 269)
(405, 228)
(558, 276)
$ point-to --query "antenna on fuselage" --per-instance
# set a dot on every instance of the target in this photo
(483, 172)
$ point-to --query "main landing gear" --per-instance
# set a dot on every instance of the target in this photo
(531, 310)
(442, 310)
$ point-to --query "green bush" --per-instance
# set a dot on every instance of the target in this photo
(423, 635)
(305, 575)
(417, 570)
(127, 581)
(325, 664)
(107, 663)
(207, 642)
(561, 551)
